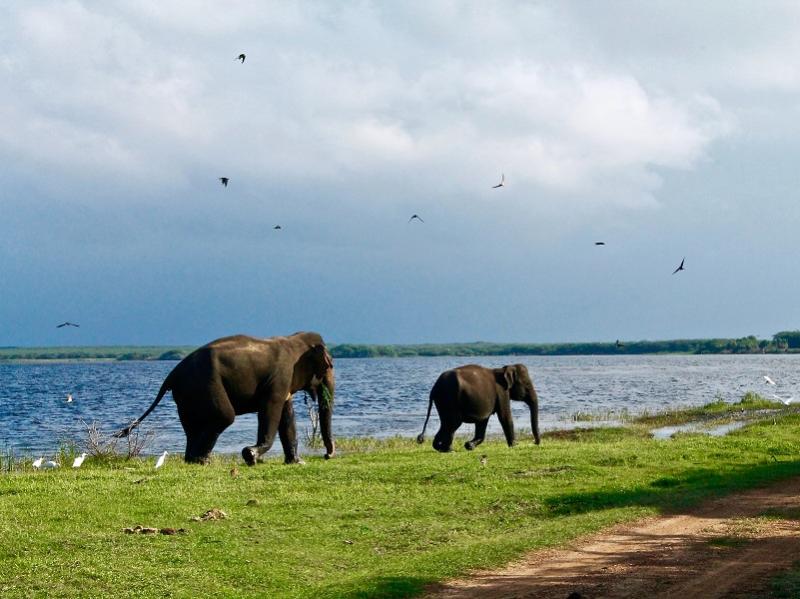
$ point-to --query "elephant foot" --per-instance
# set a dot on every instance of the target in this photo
(328, 456)
(203, 460)
(249, 456)
(294, 460)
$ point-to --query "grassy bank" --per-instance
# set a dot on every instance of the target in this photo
(380, 520)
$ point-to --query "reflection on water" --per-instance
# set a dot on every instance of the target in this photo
(374, 397)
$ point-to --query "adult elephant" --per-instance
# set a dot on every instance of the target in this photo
(239, 375)
(472, 394)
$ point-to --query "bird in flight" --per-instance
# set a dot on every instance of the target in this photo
(768, 380)
(680, 267)
(67, 324)
(413, 216)
(69, 397)
(224, 181)
(241, 58)
(620, 344)
(599, 242)
(502, 182)
(276, 227)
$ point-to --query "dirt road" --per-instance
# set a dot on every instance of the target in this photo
(727, 548)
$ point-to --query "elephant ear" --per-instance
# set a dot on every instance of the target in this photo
(504, 377)
(322, 351)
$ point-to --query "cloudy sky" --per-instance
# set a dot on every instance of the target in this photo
(665, 129)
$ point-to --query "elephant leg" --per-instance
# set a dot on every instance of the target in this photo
(443, 441)
(480, 435)
(288, 434)
(269, 418)
(203, 421)
(506, 421)
(199, 444)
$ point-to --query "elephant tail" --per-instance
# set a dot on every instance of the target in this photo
(421, 436)
(165, 386)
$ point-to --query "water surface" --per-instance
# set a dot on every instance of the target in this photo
(374, 397)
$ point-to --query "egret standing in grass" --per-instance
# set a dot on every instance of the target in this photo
(161, 459)
(38, 462)
(79, 460)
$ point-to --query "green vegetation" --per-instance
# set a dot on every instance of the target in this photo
(382, 519)
(784, 586)
(716, 410)
(116, 352)
(783, 342)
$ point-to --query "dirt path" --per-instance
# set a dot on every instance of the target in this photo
(726, 548)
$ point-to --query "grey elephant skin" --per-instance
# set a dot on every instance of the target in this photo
(240, 375)
(472, 394)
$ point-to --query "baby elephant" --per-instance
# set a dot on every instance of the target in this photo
(472, 393)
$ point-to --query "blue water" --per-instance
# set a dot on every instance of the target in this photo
(374, 397)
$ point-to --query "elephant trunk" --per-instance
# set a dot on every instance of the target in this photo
(533, 404)
(325, 403)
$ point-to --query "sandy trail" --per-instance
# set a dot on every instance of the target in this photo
(729, 547)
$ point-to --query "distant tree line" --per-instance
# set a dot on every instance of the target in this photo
(782, 342)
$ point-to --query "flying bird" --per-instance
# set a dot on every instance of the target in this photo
(67, 324)
(786, 401)
(276, 227)
(161, 459)
(768, 380)
(241, 58)
(599, 242)
(79, 460)
(69, 397)
(502, 182)
(680, 267)
(620, 344)
(224, 181)
(413, 216)
(37, 463)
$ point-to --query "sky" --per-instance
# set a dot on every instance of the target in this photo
(665, 129)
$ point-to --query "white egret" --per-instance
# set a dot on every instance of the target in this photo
(38, 462)
(785, 400)
(69, 397)
(49, 464)
(768, 380)
(79, 460)
(161, 459)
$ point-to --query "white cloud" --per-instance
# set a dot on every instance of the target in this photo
(338, 92)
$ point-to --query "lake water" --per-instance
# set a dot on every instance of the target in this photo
(374, 397)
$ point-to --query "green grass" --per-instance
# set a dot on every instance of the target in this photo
(716, 410)
(382, 519)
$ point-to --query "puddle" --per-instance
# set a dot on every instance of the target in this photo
(666, 432)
